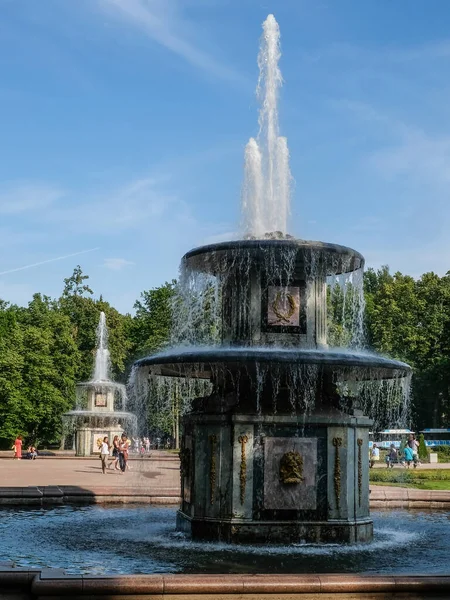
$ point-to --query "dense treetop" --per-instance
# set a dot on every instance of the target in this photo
(47, 347)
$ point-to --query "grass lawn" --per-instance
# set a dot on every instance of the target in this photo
(426, 479)
(417, 485)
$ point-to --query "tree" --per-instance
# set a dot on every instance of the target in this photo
(75, 286)
(153, 321)
(423, 450)
(50, 360)
(11, 365)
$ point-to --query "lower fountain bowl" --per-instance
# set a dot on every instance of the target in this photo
(276, 532)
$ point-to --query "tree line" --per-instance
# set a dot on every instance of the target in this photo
(48, 346)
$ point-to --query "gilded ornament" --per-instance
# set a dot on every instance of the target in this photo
(337, 443)
(276, 306)
(243, 439)
(212, 467)
(360, 443)
(291, 468)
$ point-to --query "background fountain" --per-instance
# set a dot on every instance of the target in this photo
(101, 404)
(275, 447)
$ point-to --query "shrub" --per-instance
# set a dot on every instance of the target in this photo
(423, 450)
(409, 476)
(443, 453)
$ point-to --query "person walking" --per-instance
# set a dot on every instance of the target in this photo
(124, 444)
(104, 453)
(18, 447)
(414, 445)
(374, 455)
(115, 453)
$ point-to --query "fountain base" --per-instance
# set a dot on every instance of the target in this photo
(250, 478)
(278, 532)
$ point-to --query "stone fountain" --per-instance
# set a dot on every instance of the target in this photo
(276, 450)
(101, 404)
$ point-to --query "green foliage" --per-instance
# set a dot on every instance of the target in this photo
(423, 450)
(402, 446)
(443, 453)
(49, 346)
(408, 475)
(153, 321)
(409, 319)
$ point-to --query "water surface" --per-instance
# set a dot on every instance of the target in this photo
(118, 540)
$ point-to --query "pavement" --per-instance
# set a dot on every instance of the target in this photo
(155, 479)
(157, 472)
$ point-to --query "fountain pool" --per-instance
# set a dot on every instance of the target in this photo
(95, 540)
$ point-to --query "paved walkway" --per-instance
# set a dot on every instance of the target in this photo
(149, 480)
(161, 472)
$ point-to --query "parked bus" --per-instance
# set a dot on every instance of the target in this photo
(436, 437)
(384, 439)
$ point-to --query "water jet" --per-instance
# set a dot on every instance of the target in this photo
(101, 404)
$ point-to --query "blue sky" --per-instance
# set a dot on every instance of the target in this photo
(123, 126)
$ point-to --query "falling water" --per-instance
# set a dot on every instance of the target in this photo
(102, 357)
(214, 302)
(267, 181)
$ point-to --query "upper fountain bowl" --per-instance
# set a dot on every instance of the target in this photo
(309, 256)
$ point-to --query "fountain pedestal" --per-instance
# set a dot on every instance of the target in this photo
(95, 416)
(278, 451)
(275, 478)
(100, 419)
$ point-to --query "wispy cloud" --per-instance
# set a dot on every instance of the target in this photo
(407, 150)
(382, 54)
(44, 262)
(165, 22)
(24, 197)
(117, 264)
(133, 205)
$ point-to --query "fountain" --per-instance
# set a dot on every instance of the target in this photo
(97, 400)
(276, 448)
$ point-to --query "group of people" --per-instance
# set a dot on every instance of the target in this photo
(143, 445)
(118, 451)
(17, 447)
(140, 446)
(409, 455)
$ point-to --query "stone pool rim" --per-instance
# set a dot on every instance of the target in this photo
(57, 583)
(384, 497)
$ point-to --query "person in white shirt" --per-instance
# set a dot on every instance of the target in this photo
(374, 455)
(104, 453)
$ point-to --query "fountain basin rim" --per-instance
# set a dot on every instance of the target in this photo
(102, 414)
(100, 383)
(204, 355)
(212, 262)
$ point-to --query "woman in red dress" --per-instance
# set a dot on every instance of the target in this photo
(18, 447)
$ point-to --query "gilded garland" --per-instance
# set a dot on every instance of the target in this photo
(360, 443)
(212, 467)
(337, 443)
(277, 305)
(291, 468)
(243, 439)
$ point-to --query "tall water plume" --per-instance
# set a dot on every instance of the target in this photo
(102, 356)
(267, 181)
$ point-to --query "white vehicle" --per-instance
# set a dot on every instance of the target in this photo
(384, 439)
(436, 437)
